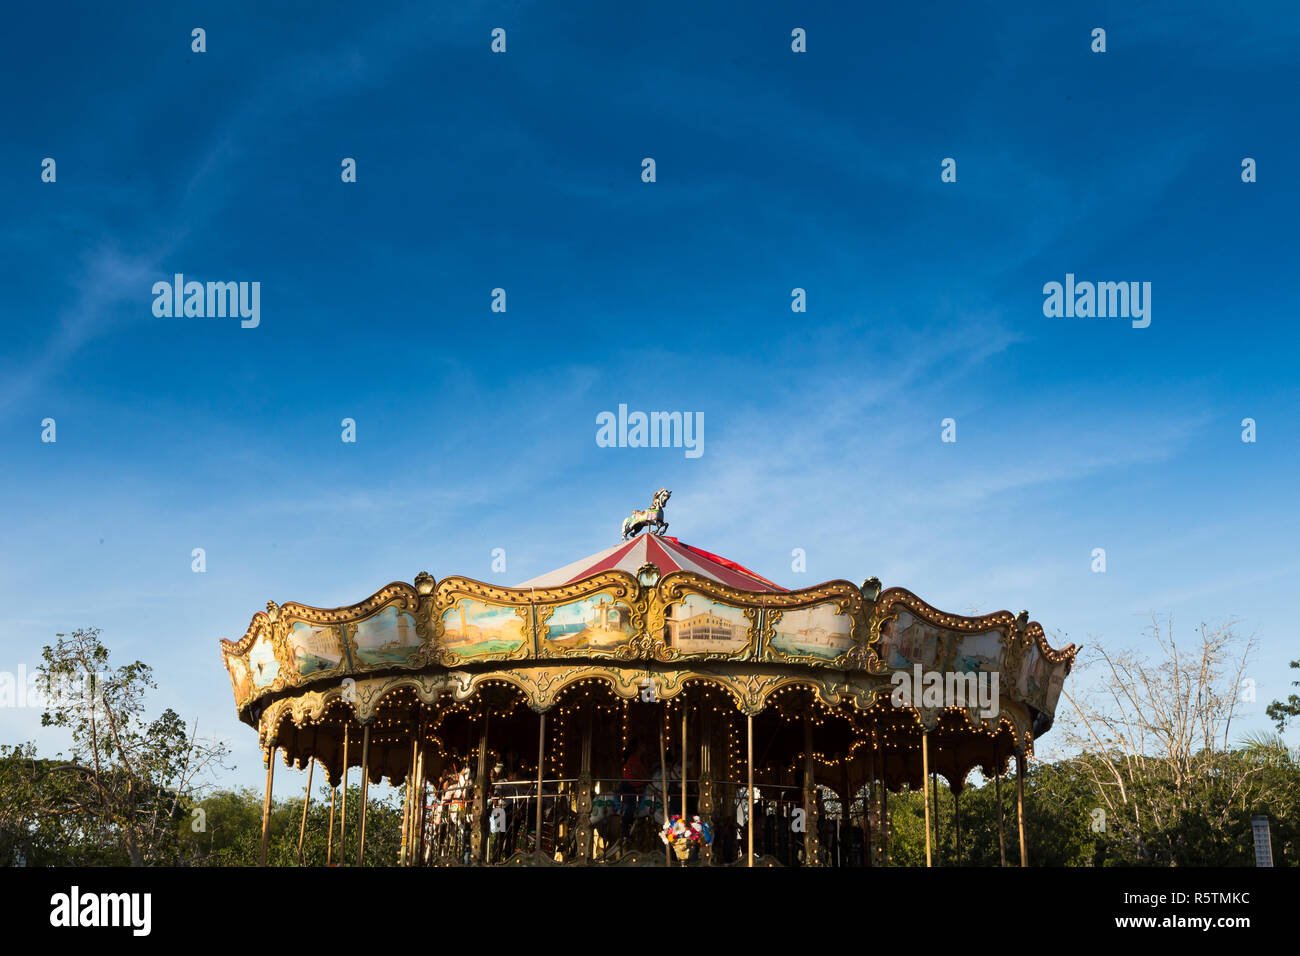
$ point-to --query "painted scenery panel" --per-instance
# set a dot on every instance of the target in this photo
(261, 661)
(700, 625)
(388, 637)
(906, 640)
(979, 653)
(1055, 684)
(316, 647)
(816, 631)
(597, 622)
(1035, 671)
(240, 678)
(474, 629)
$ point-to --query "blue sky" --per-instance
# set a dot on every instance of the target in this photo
(775, 170)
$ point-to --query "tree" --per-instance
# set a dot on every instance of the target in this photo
(36, 829)
(131, 779)
(1154, 745)
(232, 834)
(1280, 711)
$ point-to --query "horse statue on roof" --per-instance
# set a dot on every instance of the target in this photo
(652, 518)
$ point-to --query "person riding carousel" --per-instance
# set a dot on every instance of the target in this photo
(634, 777)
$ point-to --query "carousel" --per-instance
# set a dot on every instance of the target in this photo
(652, 704)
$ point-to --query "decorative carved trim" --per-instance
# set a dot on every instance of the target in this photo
(542, 672)
(1004, 621)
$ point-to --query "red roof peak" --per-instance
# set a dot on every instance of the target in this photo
(666, 553)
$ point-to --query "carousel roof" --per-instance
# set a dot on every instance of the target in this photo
(667, 554)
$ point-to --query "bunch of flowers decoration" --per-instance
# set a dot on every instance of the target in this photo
(682, 836)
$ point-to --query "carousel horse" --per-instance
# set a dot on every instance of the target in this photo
(652, 517)
(455, 797)
(450, 810)
(607, 820)
(652, 802)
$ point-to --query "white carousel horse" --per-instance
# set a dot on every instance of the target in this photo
(652, 803)
(453, 798)
(742, 804)
(604, 806)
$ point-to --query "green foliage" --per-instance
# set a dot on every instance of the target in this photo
(232, 830)
(1062, 806)
(1281, 711)
(128, 781)
(39, 821)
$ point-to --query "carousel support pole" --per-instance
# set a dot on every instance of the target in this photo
(408, 811)
(1020, 803)
(663, 778)
(685, 816)
(811, 833)
(845, 805)
(541, 754)
(956, 821)
(866, 806)
(329, 841)
(413, 796)
(997, 793)
(302, 828)
(343, 810)
(706, 779)
(480, 791)
(938, 822)
(884, 824)
(365, 792)
(749, 813)
(925, 796)
(845, 810)
(884, 804)
(417, 843)
(266, 803)
(416, 854)
(406, 822)
(585, 795)
(408, 819)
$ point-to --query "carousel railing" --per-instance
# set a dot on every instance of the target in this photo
(511, 819)
(780, 825)
(508, 822)
(448, 826)
(626, 815)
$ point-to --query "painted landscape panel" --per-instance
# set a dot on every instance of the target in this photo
(261, 661)
(316, 647)
(240, 678)
(1054, 686)
(1035, 672)
(979, 653)
(701, 625)
(596, 622)
(906, 640)
(476, 629)
(817, 631)
(388, 637)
